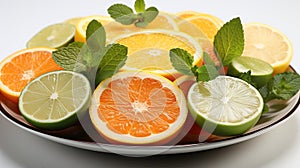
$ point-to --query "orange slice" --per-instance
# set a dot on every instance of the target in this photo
(149, 50)
(21, 67)
(138, 108)
(206, 23)
(269, 44)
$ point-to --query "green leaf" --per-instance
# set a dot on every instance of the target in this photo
(246, 76)
(139, 6)
(207, 73)
(282, 86)
(114, 58)
(76, 44)
(207, 59)
(122, 14)
(95, 35)
(67, 58)
(229, 41)
(150, 14)
(181, 60)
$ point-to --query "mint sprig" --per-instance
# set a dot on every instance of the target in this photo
(182, 61)
(281, 86)
(125, 15)
(93, 59)
(229, 41)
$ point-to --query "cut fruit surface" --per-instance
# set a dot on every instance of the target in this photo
(225, 106)
(53, 100)
(21, 67)
(205, 23)
(268, 44)
(260, 71)
(53, 36)
(149, 50)
(138, 108)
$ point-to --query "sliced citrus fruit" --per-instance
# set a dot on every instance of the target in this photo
(269, 44)
(149, 50)
(261, 71)
(82, 24)
(205, 23)
(53, 36)
(138, 108)
(53, 100)
(225, 106)
(21, 67)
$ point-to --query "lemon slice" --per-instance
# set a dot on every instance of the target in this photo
(53, 100)
(269, 44)
(225, 106)
(53, 36)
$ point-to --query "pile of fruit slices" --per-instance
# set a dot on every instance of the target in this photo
(148, 102)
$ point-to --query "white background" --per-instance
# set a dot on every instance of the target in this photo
(20, 20)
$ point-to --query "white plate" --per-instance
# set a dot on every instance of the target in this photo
(280, 112)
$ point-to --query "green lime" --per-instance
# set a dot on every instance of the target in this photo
(53, 36)
(55, 99)
(261, 71)
(225, 106)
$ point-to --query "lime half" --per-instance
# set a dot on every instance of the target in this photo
(53, 36)
(53, 100)
(225, 106)
(261, 71)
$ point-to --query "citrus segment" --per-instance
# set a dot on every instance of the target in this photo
(138, 108)
(269, 44)
(225, 106)
(21, 67)
(149, 50)
(53, 100)
(53, 36)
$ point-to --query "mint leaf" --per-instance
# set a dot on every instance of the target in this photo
(282, 86)
(206, 73)
(246, 76)
(122, 14)
(150, 14)
(181, 60)
(207, 59)
(67, 58)
(95, 35)
(76, 44)
(113, 59)
(139, 6)
(125, 15)
(229, 41)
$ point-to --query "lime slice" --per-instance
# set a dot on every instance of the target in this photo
(261, 71)
(225, 106)
(53, 100)
(53, 36)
